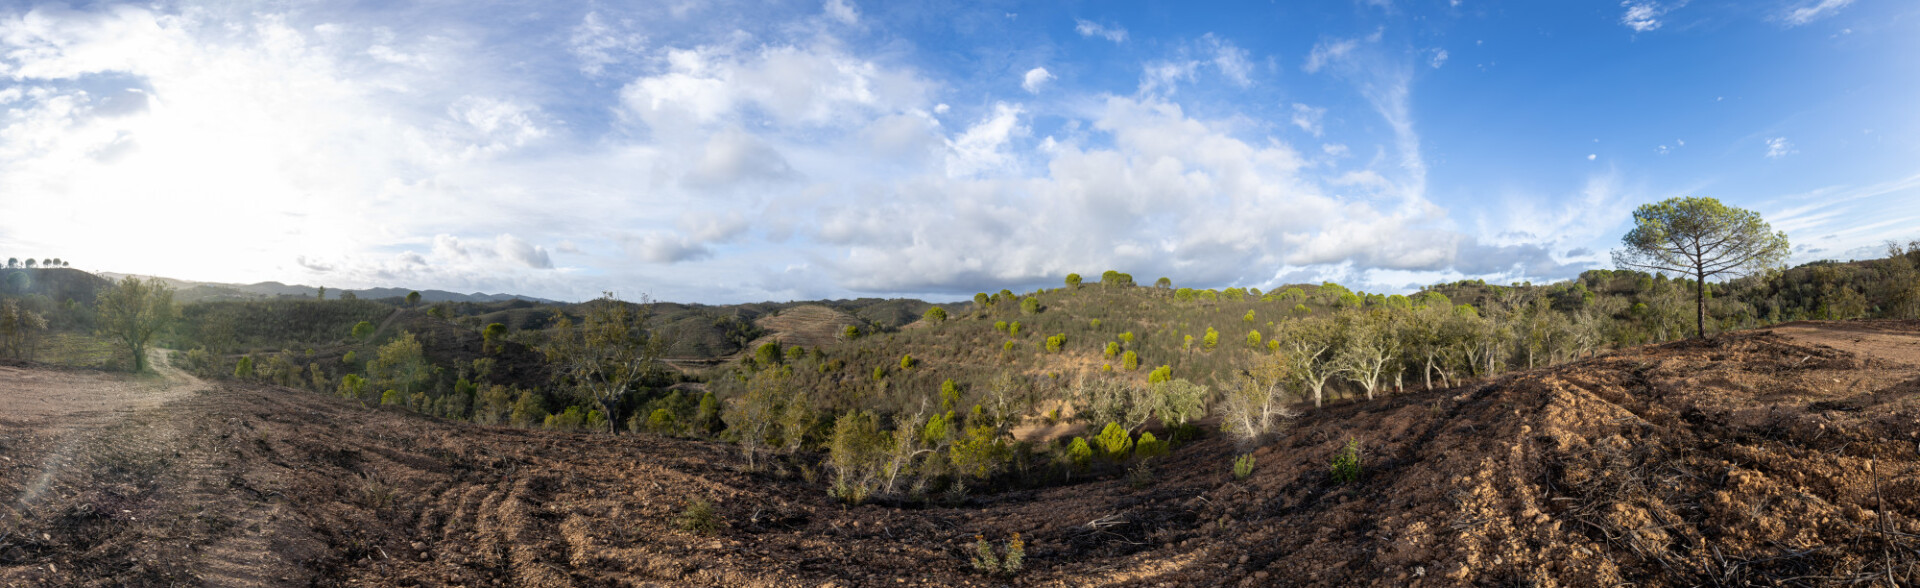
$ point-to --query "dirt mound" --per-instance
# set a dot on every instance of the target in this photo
(1752, 459)
(808, 326)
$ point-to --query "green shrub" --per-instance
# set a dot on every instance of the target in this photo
(1010, 562)
(936, 315)
(1013, 329)
(1160, 374)
(907, 362)
(1148, 446)
(1031, 305)
(1056, 342)
(350, 357)
(1079, 454)
(1073, 281)
(979, 453)
(244, 369)
(1346, 463)
(949, 395)
(1113, 349)
(1130, 361)
(1211, 340)
(571, 419)
(596, 421)
(698, 518)
(1000, 326)
(796, 353)
(1095, 323)
(879, 372)
(767, 354)
(527, 411)
(1243, 466)
(1006, 346)
(850, 333)
(392, 397)
(353, 386)
(1248, 318)
(1127, 337)
(1114, 441)
(1253, 339)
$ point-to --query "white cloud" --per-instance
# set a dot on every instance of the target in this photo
(1592, 156)
(1308, 118)
(1813, 11)
(666, 247)
(1088, 28)
(843, 11)
(1779, 147)
(1645, 15)
(734, 156)
(1035, 79)
(984, 146)
(518, 250)
(1334, 149)
(1230, 59)
(1439, 58)
(599, 44)
(1164, 77)
(1326, 52)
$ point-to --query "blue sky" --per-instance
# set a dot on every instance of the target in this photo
(738, 151)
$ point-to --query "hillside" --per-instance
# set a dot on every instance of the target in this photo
(1757, 458)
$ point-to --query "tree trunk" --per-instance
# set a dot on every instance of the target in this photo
(1700, 304)
(1429, 372)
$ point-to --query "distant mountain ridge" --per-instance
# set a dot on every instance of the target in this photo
(191, 291)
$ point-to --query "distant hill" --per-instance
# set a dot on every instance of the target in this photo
(187, 291)
(57, 284)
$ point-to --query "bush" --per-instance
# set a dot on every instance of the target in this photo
(936, 315)
(1113, 349)
(244, 369)
(1056, 342)
(1012, 560)
(1000, 326)
(907, 362)
(1243, 466)
(1346, 463)
(1073, 281)
(1013, 329)
(1248, 318)
(392, 397)
(350, 357)
(1211, 340)
(767, 354)
(949, 395)
(1079, 453)
(1130, 361)
(1253, 339)
(1148, 446)
(1160, 374)
(1030, 305)
(1114, 441)
(527, 411)
(698, 518)
(353, 386)
(980, 452)
(572, 419)
(850, 333)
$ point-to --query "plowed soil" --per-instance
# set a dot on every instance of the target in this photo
(1788, 456)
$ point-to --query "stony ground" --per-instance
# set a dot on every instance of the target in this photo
(1788, 456)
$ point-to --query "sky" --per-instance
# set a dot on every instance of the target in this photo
(732, 151)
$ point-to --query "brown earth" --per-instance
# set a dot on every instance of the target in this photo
(1788, 456)
(808, 326)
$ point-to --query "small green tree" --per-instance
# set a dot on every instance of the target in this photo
(609, 351)
(1030, 305)
(133, 311)
(1210, 340)
(768, 355)
(1056, 342)
(1073, 281)
(413, 299)
(1113, 350)
(1130, 361)
(362, 331)
(491, 336)
(1253, 339)
(244, 368)
(907, 362)
(1013, 329)
(936, 315)
(401, 364)
(1115, 442)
